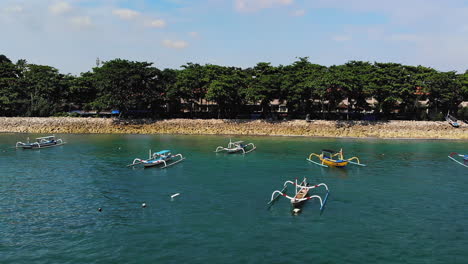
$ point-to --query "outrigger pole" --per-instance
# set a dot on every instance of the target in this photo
(355, 163)
(454, 153)
(141, 161)
(275, 198)
(320, 164)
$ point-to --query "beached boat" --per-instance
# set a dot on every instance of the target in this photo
(162, 159)
(452, 120)
(464, 158)
(237, 147)
(42, 142)
(301, 194)
(331, 158)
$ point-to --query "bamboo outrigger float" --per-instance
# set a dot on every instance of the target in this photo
(42, 142)
(157, 159)
(464, 157)
(327, 159)
(301, 195)
(238, 146)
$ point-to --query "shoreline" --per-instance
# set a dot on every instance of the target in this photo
(393, 129)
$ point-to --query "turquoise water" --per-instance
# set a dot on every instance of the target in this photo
(408, 206)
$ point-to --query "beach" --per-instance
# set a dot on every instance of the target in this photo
(315, 128)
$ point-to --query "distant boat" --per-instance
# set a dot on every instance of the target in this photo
(452, 120)
(163, 158)
(331, 158)
(42, 142)
(238, 146)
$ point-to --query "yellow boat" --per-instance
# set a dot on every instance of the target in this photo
(331, 158)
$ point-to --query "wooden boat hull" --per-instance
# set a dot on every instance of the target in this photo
(232, 151)
(42, 145)
(150, 164)
(335, 163)
(297, 204)
(303, 193)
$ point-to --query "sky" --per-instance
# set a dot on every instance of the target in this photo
(71, 34)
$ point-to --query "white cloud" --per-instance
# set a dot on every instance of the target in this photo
(341, 38)
(14, 9)
(299, 12)
(60, 8)
(125, 14)
(156, 23)
(194, 34)
(405, 37)
(81, 22)
(177, 44)
(255, 5)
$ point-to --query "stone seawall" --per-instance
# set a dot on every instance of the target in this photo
(316, 128)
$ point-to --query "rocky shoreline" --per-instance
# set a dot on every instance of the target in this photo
(316, 128)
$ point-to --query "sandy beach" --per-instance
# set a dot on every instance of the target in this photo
(316, 128)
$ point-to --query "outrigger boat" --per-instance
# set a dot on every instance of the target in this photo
(452, 120)
(238, 146)
(42, 142)
(161, 158)
(465, 158)
(301, 194)
(327, 158)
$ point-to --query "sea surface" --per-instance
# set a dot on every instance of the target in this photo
(409, 205)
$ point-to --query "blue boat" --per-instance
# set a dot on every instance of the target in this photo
(42, 142)
(162, 158)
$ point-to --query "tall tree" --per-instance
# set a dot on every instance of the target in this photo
(9, 94)
(299, 83)
(445, 91)
(125, 85)
(224, 90)
(44, 88)
(262, 85)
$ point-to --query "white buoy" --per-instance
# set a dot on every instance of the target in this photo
(175, 195)
(143, 205)
(296, 210)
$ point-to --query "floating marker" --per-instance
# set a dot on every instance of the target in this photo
(143, 205)
(175, 195)
(99, 209)
(296, 210)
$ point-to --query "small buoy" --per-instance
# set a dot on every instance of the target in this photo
(175, 195)
(99, 209)
(143, 205)
(296, 210)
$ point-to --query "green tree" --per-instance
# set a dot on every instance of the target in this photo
(262, 85)
(125, 85)
(445, 92)
(299, 83)
(224, 90)
(171, 95)
(10, 96)
(82, 91)
(44, 89)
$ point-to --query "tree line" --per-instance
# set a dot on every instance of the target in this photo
(304, 87)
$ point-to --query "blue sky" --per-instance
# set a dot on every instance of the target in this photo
(71, 34)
